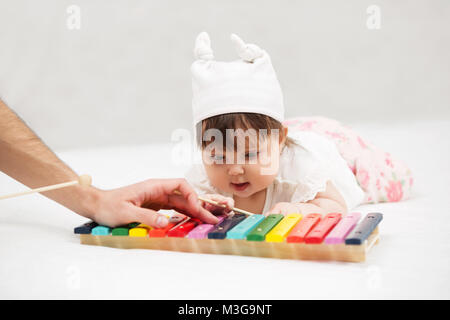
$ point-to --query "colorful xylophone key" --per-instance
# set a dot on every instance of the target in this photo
(124, 231)
(140, 230)
(260, 231)
(343, 228)
(363, 230)
(332, 237)
(319, 232)
(101, 231)
(161, 232)
(183, 228)
(242, 229)
(281, 230)
(85, 228)
(299, 232)
(174, 220)
(201, 231)
(220, 230)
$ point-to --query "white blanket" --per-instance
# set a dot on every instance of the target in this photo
(42, 258)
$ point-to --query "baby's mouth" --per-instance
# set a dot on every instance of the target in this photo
(239, 186)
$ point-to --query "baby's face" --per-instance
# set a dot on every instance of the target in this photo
(245, 171)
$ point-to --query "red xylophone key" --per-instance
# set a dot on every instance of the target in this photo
(302, 228)
(183, 228)
(161, 232)
(320, 231)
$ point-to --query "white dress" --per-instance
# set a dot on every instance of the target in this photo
(305, 169)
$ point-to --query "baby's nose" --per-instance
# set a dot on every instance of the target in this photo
(236, 170)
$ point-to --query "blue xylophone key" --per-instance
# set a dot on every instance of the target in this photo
(85, 228)
(101, 231)
(242, 229)
(221, 229)
(363, 230)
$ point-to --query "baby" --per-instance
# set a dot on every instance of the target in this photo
(255, 160)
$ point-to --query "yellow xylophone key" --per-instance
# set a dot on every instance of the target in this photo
(281, 230)
(140, 231)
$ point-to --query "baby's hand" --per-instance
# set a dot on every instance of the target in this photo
(228, 202)
(285, 208)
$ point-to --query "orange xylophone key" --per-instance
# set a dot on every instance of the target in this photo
(320, 231)
(302, 228)
(161, 232)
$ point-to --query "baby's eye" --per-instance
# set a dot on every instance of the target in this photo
(251, 154)
(217, 157)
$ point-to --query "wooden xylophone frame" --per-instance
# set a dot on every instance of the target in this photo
(279, 250)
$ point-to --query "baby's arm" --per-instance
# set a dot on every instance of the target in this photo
(325, 202)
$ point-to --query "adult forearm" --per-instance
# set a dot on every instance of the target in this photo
(24, 157)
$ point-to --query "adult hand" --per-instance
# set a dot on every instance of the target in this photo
(141, 201)
(25, 158)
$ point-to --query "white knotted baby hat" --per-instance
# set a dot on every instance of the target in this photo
(248, 84)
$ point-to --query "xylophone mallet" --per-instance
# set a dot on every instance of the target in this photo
(219, 204)
(83, 180)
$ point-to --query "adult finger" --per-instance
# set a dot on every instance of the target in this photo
(206, 216)
(148, 217)
(203, 213)
(187, 196)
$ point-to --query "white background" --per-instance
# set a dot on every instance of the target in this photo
(124, 77)
(41, 258)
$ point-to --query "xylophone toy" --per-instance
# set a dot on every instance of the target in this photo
(333, 237)
(310, 237)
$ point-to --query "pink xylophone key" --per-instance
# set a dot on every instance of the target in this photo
(201, 231)
(343, 228)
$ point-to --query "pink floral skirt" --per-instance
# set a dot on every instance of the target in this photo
(382, 178)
